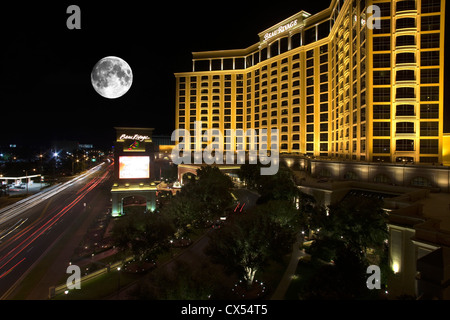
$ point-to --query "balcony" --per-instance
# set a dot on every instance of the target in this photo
(405, 134)
(406, 31)
(405, 13)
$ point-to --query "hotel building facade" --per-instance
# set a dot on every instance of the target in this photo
(360, 80)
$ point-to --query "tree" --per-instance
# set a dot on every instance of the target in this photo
(355, 223)
(183, 210)
(281, 212)
(214, 189)
(284, 224)
(243, 248)
(201, 199)
(250, 174)
(352, 227)
(142, 234)
(279, 186)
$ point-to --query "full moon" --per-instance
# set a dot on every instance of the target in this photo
(111, 77)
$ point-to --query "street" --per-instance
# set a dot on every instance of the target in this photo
(28, 234)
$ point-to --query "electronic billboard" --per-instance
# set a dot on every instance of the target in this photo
(134, 167)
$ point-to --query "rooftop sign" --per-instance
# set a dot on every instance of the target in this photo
(293, 22)
(280, 29)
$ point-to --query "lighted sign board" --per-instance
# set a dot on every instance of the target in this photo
(134, 167)
(137, 137)
(280, 29)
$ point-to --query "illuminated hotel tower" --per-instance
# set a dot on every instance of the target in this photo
(342, 83)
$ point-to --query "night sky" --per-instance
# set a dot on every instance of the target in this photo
(46, 92)
(45, 89)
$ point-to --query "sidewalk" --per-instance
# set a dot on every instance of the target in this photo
(297, 254)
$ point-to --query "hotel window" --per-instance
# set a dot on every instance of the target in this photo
(323, 68)
(263, 53)
(227, 64)
(431, 6)
(385, 9)
(381, 43)
(405, 41)
(323, 29)
(239, 63)
(429, 58)
(216, 64)
(273, 49)
(429, 40)
(405, 75)
(406, 5)
(404, 23)
(381, 129)
(380, 145)
(429, 128)
(381, 94)
(283, 45)
(404, 127)
(429, 76)
(405, 57)
(202, 65)
(429, 111)
(405, 93)
(404, 110)
(429, 146)
(429, 23)
(429, 94)
(295, 41)
(421, 182)
(382, 111)
(382, 60)
(385, 27)
(382, 77)
(310, 35)
(404, 145)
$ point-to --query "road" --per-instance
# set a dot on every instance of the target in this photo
(28, 230)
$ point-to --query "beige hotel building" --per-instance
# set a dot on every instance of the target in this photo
(360, 80)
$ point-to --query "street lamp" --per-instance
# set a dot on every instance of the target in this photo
(118, 284)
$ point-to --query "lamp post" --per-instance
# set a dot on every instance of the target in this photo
(118, 283)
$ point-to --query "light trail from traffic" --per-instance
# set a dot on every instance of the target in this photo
(17, 208)
(35, 234)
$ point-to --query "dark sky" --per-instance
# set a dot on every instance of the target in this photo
(45, 88)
